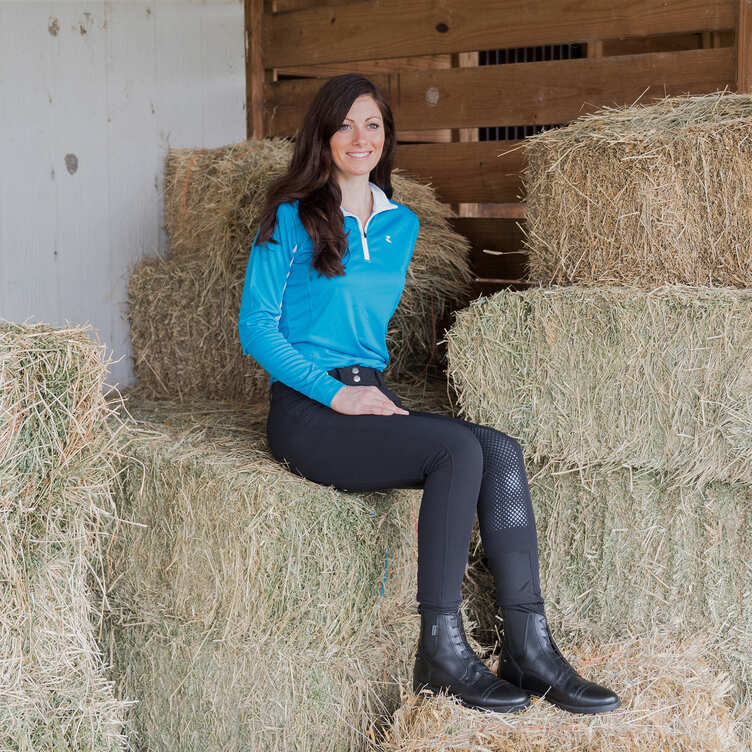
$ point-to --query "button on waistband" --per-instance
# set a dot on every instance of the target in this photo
(357, 374)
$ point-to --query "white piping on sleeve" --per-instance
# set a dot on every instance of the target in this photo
(282, 297)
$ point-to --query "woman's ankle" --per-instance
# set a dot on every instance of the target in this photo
(435, 610)
(533, 607)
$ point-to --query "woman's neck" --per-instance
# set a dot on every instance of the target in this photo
(356, 196)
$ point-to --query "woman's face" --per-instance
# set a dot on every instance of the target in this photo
(358, 143)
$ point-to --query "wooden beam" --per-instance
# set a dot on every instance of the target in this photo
(522, 93)
(368, 67)
(400, 28)
(744, 47)
(663, 43)
(254, 69)
(285, 6)
(508, 210)
(595, 48)
(466, 172)
(465, 60)
(464, 135)
(435, 136)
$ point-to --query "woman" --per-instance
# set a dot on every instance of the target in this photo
(325, 274)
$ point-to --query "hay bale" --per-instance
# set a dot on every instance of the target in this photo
(55, 475)
(624, 552)
(52, 402)
(199, 693)
(614, 376)
(644, 194)
(184, 333)
(671, 702)
(213, 199)
(248, 610)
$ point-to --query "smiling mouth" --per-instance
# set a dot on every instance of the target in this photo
(358, 154)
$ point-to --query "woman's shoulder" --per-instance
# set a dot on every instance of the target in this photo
(406, 212)
(287, 217)
(288, 222)
(288, 210)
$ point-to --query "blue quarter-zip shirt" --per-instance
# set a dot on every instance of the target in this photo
(298, 324)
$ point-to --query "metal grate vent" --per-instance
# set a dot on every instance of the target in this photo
(525, 55)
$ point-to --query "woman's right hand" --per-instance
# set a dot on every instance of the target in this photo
(364, 400)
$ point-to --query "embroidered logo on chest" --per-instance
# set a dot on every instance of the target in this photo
(388, 238)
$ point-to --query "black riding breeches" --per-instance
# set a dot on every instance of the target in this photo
(461, 467)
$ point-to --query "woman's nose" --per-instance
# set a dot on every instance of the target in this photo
(358, 135)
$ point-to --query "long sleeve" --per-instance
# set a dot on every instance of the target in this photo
(266, 277)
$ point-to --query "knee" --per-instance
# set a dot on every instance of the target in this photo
(513, 449)
(473, 450)
(462, 448)
(499, 447)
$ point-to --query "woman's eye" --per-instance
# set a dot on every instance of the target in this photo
(344, 126)
(373, 125)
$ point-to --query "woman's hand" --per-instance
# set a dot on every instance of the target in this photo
(364, 400)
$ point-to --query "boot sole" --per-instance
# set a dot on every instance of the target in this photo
(465, 703)
(577, 708)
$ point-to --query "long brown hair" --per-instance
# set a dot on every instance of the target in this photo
(310, 177)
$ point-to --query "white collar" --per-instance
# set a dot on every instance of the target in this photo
(380, 201)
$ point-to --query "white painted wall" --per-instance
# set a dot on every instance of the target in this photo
(91, 95)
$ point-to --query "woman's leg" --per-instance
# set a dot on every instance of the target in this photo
(371, 452)
(441, 455)
(530, 658)
(506, 520)
(436, 452)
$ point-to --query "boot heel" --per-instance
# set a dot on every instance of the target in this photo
(498, 709)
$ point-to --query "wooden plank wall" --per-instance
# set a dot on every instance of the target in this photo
(425, 59)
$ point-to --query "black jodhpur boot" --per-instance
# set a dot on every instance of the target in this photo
(445, 660)
(530, 660)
